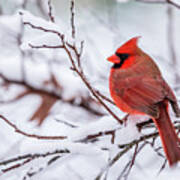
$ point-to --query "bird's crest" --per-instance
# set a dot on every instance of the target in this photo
(129, 47)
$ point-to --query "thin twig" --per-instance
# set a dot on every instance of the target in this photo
(30, 157)
(93, 137)
(16, 165)
(45, 46)
(33, 156)
(85, 102)
(105, 98)
(163, 166)
(173, 3)
(75, 68)
(16, 129)
(130, 164)
(73, 20)
(51, 17)
(110, 163)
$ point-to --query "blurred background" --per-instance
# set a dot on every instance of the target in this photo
(40, 94)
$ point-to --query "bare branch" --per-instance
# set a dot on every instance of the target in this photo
(16, 166)
(30, 157)
(173, 3)
(74, 67)
(127, 169)
(16, 129)
(52, 19)
(93, 137)
(33, 156)
(163, 166)
(72, 20)
(105, 98)
(66, 123)
(45, 46)
(61, 36)
(85, 103)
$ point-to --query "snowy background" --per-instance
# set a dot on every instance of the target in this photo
(41, 95)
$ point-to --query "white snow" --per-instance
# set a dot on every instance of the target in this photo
(104, 26)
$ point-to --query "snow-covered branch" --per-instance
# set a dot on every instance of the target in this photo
(82, 123)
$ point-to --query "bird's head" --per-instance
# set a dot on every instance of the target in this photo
(125, 53)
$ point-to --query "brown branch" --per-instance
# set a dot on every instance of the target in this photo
(51, 17)
(66, 123)
(93, 137)
(16, 129)
(173, 3)
(16, 165)
(72, 20)
(75, 68)
(127, 147)
(61, 36)
(117, 157)
(136, 150)
(105, 98)
(30, 157)
(78, 54)
(45, 46)
(131, 163)
(144, 124)
(32, 172)
(88, 85)
(85, 102)
(33, 156)
(163, 166)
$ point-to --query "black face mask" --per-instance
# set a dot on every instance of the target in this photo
(122, 57)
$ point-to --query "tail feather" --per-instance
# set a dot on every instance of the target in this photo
(169, 138)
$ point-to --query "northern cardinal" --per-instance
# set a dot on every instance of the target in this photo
(137, 87)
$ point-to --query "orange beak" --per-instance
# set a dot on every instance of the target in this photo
(114, 59)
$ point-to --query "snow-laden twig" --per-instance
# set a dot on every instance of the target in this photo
(16, 129)
(24, 159)
(128, 146)
(127, 169)
(33, 156)
(70, 49)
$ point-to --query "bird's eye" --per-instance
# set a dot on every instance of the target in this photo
(122, 56)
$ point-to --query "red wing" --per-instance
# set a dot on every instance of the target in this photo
(143, 94)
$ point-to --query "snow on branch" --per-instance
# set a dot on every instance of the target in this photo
(108, 134)
(70, 49)
(16, 129)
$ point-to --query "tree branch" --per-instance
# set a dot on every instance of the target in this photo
(80, 73)
(16, 129)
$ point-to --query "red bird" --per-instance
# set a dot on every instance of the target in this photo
(137, 87)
